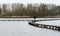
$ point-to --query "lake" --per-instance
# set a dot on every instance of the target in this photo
(22, 28)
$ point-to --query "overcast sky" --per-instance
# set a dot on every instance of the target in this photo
(57, 2)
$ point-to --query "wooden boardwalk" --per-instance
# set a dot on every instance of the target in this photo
(44, 26)
(32, 20)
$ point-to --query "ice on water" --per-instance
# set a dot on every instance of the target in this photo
(54, 22)
(22, 28)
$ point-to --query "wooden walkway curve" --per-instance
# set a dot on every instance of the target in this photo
(44, 26)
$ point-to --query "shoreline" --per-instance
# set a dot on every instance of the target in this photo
(29, 17)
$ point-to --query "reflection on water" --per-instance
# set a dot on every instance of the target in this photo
(22, 28)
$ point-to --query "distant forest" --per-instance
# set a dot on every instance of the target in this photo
(29, 10)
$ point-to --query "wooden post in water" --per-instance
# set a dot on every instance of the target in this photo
(34, 18)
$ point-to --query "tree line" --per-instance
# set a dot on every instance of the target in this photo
(37, 10)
